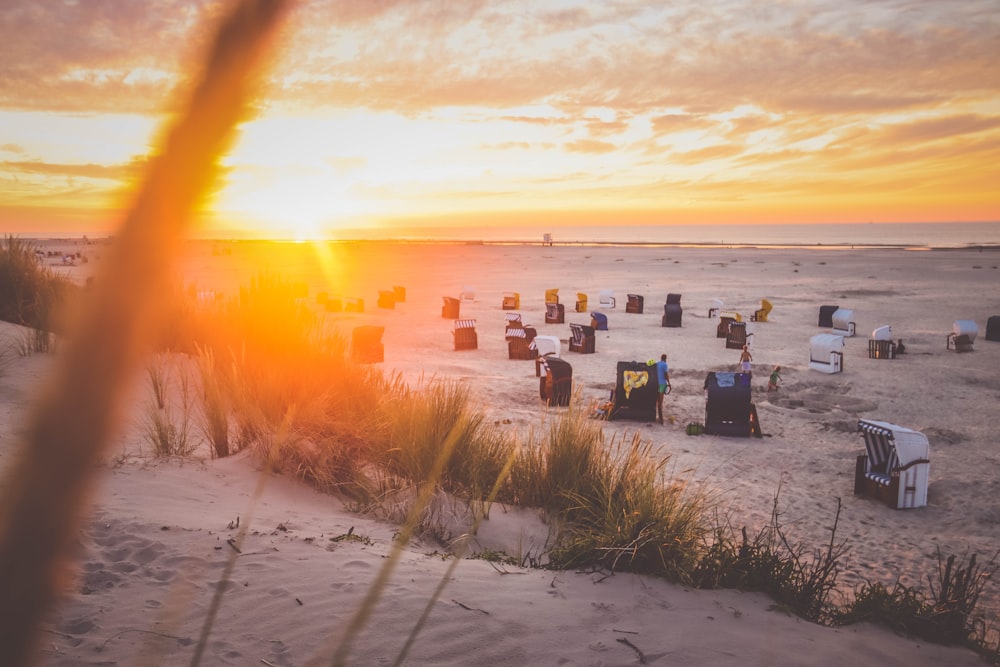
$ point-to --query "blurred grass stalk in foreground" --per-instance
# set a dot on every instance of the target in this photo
(47, 487)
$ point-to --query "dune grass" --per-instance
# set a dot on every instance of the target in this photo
(30, 293)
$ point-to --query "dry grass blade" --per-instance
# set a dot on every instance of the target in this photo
(49, 483)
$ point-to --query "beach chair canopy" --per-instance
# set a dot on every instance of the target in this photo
(993, 328)
(386, 299)
(555, 313)
(581, 302)
(511, 301)
(513, 320)
(635, 391)
(843, 321)
(881, 345)
(884, 332)
(963, 335)
(715, 307)
(366, 343)
(826, 353)
(465, 335)
(826, 315)
(607, 298)
(552, 295)
(634, 304)
(519, 342)
(822, 345)
(581, 338)
(672, 311)
(547, 345)
(556, 384)
(450, 308)
(965, 328)
(599, 321)
(895, 467)
(728, 405)
(760, 315)
(738, 336)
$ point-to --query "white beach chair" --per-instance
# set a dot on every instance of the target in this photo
(826, 353)
(895, 467)
(843, 322)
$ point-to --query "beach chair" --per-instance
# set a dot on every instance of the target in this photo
(468, 293)
(555, 386)
(993, 328)
(895, 468)
(607, 299)
(366, 344)
(729, 408)
(881, 345)
(464, 332)
(450, 309)
(519, 343)
(672, 311)
(634, 304)
(545, 346)
(635, 391)
(962, 336)
(555, 313)
(736, 338)
(354, 304)
(386, 299)
(552, 295)
(334, 303)
(843, 322)
(400, 293)
(599, 321)
(760, 315)
(715, 308)
(513, 321)
(826, 353)
(826, 315)
(582, 339)
(511, 301)
(722, 329)
(581, 302)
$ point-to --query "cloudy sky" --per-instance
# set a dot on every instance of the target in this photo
(423, 113)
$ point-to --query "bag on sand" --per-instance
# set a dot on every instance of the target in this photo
(694, 428)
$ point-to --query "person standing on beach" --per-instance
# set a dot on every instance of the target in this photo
(745, 360)
(663, 385)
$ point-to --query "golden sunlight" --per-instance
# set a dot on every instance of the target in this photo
(299, 208)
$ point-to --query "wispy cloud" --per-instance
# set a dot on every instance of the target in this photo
(792, 92)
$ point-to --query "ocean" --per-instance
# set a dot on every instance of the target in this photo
(930, 235)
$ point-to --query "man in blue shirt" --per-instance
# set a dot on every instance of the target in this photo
(663, 379)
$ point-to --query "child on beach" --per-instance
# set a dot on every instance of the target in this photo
(745, 360)
(774, 380)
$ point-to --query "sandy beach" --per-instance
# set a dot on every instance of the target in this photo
(157, 540)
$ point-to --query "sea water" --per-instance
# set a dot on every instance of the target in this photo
(933, 235)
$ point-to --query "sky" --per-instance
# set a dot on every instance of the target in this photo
(421, 113)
